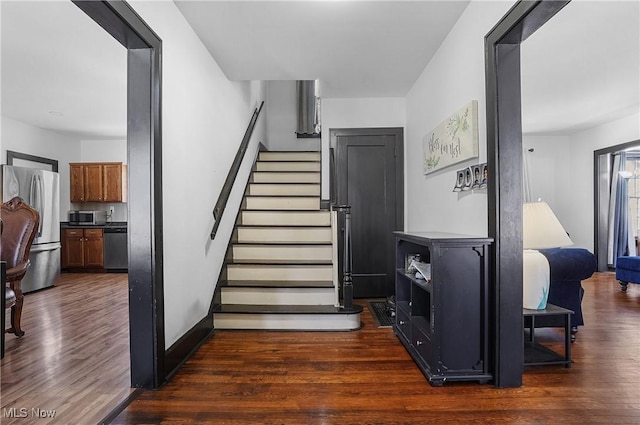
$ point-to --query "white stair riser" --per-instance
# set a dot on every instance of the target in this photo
(289, 156)
(284, 189)
(270, 272)
(261, 252)
(278, 296)
(269, 218)
(285, 235)
(287, 166)
(318, 322)
(283, 203)
(277, 177)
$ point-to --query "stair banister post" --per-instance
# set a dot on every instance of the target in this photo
(347, 283)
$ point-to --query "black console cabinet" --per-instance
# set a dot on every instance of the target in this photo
(443, 321)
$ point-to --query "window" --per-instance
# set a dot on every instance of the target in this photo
(633, 166)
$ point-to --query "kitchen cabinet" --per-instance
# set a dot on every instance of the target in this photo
(82, 248)
(98, 182)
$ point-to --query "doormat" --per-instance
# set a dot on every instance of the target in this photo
(381, 314)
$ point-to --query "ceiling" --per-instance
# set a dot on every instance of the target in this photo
(355, 48)
(582, 68)
(61, 71)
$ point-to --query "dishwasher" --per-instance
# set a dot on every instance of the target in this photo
(116, 257)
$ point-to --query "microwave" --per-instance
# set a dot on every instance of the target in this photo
(78, 218)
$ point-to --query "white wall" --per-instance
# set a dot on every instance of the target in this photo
(24, 138)
(452, 78)
(573, 172)
(103, 151)
(545, 165)
(282, 118)
(356, 113)
(204, 118)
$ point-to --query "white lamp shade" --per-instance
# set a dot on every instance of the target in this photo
(541, 228)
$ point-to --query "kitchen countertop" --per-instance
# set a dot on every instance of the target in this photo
(113, 224)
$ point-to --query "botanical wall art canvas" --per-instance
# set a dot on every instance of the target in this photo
(453, 141)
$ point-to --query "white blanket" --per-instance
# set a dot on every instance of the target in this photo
(535, 288)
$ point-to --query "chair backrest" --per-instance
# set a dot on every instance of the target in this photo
(19, 225)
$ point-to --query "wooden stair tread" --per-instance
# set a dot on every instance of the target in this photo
(261, 262)
(282, 196)
(281, 211)
(286, 171)
(285, 183)
(284, 309)
(251, 242)
(289, 161)
(277, 284)
(282, 244)
(281, 227)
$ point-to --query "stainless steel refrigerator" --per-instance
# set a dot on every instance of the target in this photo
(41, 190)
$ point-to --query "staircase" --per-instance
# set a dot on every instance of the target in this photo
(281, 267)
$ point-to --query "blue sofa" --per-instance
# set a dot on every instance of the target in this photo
(568, 268)
(627, 270)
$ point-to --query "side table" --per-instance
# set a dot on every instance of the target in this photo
(536, 354)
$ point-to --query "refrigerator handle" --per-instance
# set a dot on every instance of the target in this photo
(35, 199)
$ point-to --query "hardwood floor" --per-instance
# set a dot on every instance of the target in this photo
(367, 377)
(74, 357)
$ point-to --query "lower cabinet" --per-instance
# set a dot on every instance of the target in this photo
(442, 315)
(82, 248)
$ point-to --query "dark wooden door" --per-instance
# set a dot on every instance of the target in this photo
(369, 166)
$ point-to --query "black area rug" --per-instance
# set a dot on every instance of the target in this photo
(381, 314)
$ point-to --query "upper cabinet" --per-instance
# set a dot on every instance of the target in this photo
(98, 182)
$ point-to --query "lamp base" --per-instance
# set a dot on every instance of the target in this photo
(535, 280)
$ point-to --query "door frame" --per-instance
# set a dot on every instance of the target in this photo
(398, 134)
(504, 190)
(144, 157)
(601, 193)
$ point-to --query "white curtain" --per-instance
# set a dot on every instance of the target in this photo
(620, 239)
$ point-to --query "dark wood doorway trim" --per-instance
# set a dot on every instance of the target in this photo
(602, 160)
(144, 141)
(504, 160)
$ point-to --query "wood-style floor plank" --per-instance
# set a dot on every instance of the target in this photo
(367, 377)
(74, 357)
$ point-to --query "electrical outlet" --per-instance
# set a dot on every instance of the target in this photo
(111, 210)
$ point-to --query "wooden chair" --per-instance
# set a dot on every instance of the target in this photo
(19, 226)
(9, 299)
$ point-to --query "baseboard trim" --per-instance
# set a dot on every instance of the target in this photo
(120, 407)
(187, 345)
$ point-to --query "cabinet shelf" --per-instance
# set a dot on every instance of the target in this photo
(422, 283)
(443, 323)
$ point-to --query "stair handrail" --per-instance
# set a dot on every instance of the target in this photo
(221, 203)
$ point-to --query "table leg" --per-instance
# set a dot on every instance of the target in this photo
(567, 339)
(532, 331)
